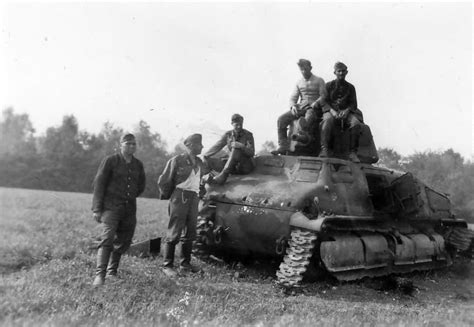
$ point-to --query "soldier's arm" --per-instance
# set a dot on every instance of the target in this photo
(323, 93)
(100, 183)
(352, 99)
(249, 149)
(141, 180)
(295, 95)
(325, 104)
(165, 181)
(217, 147)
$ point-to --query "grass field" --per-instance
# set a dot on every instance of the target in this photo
(47, 267)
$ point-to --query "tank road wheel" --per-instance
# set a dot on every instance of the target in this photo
(202, 241)
(298, 255)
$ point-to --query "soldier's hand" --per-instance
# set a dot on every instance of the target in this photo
(344, 113)
(295, 110)
(334, 113)
(237, 145)
(97, 216)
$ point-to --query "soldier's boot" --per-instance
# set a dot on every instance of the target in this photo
(103, 255)
(324, 153)
(282, 142)
(325, 138)
(186, 266)
(235, 156)
(168, 268)
(113, 265)
(221, 178)
(354, 144)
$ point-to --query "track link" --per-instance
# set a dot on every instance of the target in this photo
(298, 255)
(201, 243)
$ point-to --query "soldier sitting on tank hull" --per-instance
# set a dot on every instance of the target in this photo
(307, 99)
(341, 110)
(240, 143)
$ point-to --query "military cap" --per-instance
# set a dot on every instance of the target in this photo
(128, 137)
(193, 139)
(236, 118)
(304, 62)
(340, 65)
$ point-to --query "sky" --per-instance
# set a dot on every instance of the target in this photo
(187, 67)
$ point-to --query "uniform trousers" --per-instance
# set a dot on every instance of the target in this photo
(118, 228)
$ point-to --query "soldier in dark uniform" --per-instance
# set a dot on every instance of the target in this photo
(342, 111)
(181, 183)
(119, 181)
(241, 145)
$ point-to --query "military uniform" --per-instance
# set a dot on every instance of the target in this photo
(180, 182)
(240, 160)
(116, 186)
(312, 93)
(341, 95)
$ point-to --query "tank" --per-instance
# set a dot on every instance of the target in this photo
(349, 220)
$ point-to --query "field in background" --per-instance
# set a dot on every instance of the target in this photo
(46, 268)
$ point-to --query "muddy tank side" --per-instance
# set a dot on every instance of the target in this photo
(253, 211)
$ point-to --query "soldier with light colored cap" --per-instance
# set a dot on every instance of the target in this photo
(119, 181)
(341, 111)
(181, 183)
(307, 98)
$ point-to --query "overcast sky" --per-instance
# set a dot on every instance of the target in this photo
(187, 68)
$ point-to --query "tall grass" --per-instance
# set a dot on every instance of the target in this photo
(47, 268)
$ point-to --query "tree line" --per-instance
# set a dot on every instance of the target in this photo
(66, 158)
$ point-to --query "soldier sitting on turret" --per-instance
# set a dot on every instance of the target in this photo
(311, 93)
(240, 143)
(342, 111)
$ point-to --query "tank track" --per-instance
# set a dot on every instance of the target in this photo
(201, 247)
(298, 255)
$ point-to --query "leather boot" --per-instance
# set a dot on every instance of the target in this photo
(186, 249)
(113, 264)
(324, 153)
(103, 255)
(168, 253)
(220, 178)
(282, 141)
(354, 143)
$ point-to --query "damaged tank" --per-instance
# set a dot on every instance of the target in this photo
(351, 220)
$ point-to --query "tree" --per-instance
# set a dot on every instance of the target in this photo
(267, 148)
(151, 151)
(16, 132)
(389, 158)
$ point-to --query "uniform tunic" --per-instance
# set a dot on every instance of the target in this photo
(177, 183)
(116, 187)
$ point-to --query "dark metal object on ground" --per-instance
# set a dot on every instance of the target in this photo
(146, 248)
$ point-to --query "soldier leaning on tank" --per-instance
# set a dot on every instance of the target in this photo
(181, 183)
(307, 98)
(241, 145)
(341, 110)
(119, 181)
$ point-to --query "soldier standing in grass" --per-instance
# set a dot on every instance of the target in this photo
(119, 181)
(181, 183)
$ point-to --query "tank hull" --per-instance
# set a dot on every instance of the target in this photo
(351, 220)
